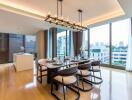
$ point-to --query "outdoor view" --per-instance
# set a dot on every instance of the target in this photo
(30, 43)
(120, 32)
(85, 43)
(63, 43)
(99, 43)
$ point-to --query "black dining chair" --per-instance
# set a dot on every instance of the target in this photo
(67, 78)
(41, 69)
(84, 75)
(95, 68)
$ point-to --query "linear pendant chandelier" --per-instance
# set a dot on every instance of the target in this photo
(65, 23)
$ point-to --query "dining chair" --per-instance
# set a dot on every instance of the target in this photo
(55, 58)
(95, 68)
(84, 75)
(67, 78)
(41, 69)
(66, 58)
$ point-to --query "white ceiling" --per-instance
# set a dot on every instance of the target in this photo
(91, 8)
(15, 23)
(13, 18)
(127, 7)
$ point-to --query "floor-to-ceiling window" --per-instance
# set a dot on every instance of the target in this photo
(12, 43)
(114, 55)
(16, 41)
(99, 43)
(63, 43)
(30, 43)
(68, 43)
(4, 47)
(120, 32)
(85, 43)
(49, 43)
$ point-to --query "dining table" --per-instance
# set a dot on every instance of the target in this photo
(53, 67)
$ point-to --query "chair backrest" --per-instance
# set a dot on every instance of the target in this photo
(84, 62)
(42, 61)
(66, 58)
(95, 63)
(84, 66)
(34, 54)
(68, 71)
(55, 58)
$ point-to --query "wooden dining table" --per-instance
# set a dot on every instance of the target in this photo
(53, 68)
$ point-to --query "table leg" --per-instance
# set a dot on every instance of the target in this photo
(50, 74)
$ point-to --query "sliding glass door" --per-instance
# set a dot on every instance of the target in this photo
(99, 43)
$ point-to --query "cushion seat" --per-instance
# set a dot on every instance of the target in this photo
(66, 79)
(73, 65)
(83, 72)
(95, 69)
(42, 61)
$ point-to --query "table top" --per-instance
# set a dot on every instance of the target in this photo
(53, 65)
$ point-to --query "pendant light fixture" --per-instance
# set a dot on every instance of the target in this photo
(65, 23)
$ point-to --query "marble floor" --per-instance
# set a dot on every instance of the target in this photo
(117, 85)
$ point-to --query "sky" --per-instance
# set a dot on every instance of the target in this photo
(120, 32)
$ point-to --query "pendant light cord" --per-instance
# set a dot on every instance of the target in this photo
(57, 8)
(61, 8)
(80, 16)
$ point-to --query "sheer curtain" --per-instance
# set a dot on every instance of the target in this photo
(129, 55)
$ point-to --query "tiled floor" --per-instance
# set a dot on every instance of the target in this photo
(117, 85)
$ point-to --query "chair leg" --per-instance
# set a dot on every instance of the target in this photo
(100, 75)
(40, 74)
(93, 75)
(82, 84)
(64, 92)
(37, 72)
(91, 79)
(51, 87)
(66, 89)
(78, 83)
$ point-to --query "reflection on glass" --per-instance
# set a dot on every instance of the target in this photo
(99, 43)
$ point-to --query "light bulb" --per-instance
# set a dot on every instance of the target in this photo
(61, 17)
(49, 13)
(55, 15)
(67, 19)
